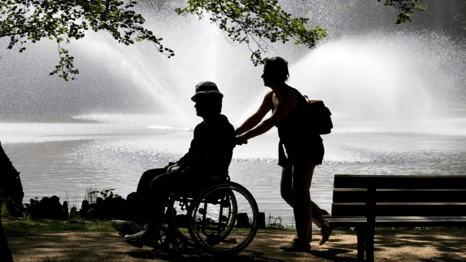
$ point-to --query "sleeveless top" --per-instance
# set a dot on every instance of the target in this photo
(297, 136)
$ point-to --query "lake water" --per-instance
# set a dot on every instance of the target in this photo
(112, 151)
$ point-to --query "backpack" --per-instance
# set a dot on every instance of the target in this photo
(320, 116)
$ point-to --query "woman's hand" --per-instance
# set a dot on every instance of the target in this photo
(240, 140)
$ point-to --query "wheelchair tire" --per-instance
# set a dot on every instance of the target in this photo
(223, 219)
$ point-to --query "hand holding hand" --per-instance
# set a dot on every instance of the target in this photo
(173, 168)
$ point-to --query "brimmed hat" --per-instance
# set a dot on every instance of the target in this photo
(206, 87)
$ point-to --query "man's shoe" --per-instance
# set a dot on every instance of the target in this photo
(136, 239)
(142, 238)
(126, 227)
(297, 245)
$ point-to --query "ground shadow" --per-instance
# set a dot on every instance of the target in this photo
(196, 255)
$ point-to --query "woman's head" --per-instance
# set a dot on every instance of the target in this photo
(275, 70)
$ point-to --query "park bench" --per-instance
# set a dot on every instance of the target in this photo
(368, 201)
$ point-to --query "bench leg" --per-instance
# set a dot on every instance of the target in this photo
(370, 244)
(361, 235)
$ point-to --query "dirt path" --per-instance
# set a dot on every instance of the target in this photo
(408, 245)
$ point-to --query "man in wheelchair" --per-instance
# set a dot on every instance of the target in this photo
(209, 156)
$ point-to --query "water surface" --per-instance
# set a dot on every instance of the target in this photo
(112, 151)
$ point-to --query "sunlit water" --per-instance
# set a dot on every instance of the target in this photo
(112, 151)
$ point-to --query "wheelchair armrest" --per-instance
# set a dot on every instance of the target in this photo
(213, 177)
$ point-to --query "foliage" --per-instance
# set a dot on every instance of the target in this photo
(47, 207)
(259, 21)
(108, 193)
(10, 207)
(405, 8)
(106, 206)
(4, 209)
(25, 21)
(275, 223)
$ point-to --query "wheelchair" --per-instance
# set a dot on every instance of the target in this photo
(221, 218)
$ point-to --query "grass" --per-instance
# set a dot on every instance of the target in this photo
(17, 226)
(20, 226)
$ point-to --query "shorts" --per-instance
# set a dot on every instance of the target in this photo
(300, 153)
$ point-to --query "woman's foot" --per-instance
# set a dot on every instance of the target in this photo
(297, 245)
(325, 235)
(127, 227)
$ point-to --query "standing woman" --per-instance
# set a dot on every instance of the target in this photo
(300, 149)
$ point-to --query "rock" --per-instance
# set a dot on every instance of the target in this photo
(84, 208)
(242, 220)
(73, 212)
(65, 210)
(261, 220)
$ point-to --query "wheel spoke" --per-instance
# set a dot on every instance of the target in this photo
(224, 219)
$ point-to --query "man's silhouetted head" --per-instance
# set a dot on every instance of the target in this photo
(208, 99)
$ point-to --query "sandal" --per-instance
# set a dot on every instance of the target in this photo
(297, 245)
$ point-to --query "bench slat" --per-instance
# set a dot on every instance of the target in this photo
(399, 217)
(400, 181)
(403, 204)
(388, 221)
(400, 195)
(401, 209)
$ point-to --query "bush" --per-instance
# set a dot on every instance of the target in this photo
(48, 207)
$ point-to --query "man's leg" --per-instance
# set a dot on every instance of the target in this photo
(144, 193)
(139, 202)
(161, 188)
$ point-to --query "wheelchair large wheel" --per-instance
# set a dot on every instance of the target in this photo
(223, 219)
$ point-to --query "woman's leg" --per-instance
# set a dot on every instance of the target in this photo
(286, 185)
(317, 213)
(302, 204)
(299, 180)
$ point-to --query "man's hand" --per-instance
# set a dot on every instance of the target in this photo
(173, 168)
(240, 140)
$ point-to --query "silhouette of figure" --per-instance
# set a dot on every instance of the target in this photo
(209, 155)
(5, 253)
(304, 149)
(10, 188)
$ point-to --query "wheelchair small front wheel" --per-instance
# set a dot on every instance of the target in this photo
(223, 219)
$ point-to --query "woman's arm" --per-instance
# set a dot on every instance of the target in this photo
(287, 102)
(255, 119)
